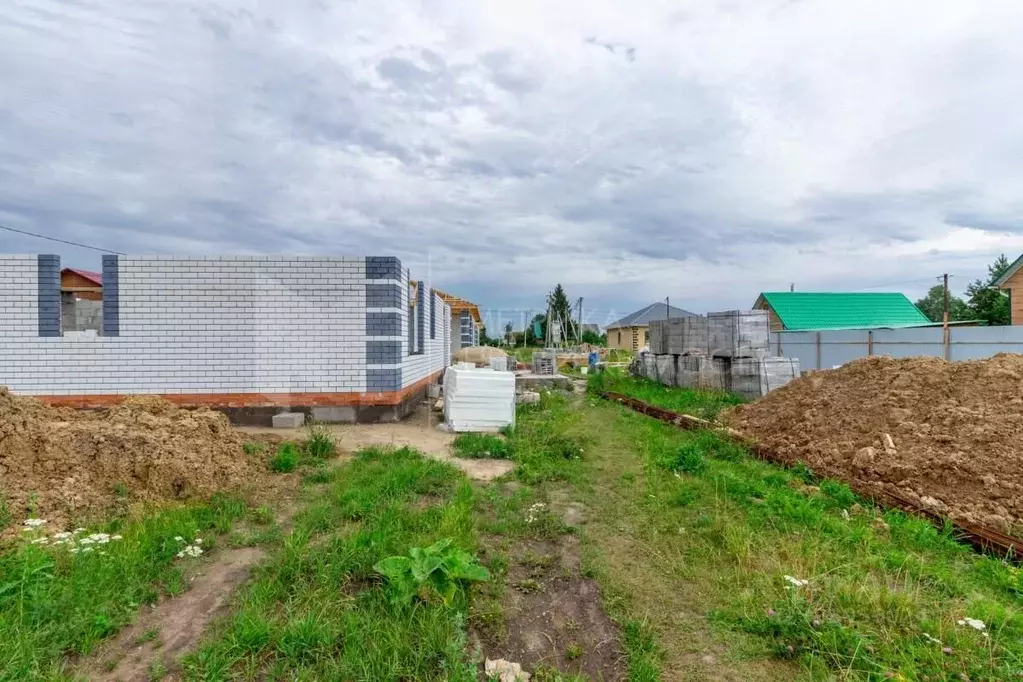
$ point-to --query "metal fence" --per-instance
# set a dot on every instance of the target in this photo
(827, 349)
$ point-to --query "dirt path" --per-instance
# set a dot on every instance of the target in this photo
(162, 635)
(634, 562)
(418, 431)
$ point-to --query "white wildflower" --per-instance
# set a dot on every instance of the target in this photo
(86, 541)
(27, 529)
(35, 523)
(198, 541)
(796, 582)
(86, 549)
(76, 531)
(102, 553)
(40, 541)
(74, 550)
(533, 515)
(98, 538)
(845, 514)
(116, 537)
(178, 538)
(64, 535)
(933, 640)
(193, 551)
(974, 623)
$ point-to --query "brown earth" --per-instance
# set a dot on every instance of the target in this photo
(554, 618)
(955, 430)
(61, 465)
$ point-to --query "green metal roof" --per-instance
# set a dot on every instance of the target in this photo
(812, 310)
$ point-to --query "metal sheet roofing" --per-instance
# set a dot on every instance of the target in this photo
(87, 274)
(654, 311)
(801, 310)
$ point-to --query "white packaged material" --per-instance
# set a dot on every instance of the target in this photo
(478, 399)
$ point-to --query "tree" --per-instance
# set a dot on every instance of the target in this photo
(985, 301)
(484, 339)
(933, 305)
(593, 338)
(561, 311)
(508, 333)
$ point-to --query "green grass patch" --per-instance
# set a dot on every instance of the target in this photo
(55, 602)
(482, 446)
(318, 609)
(884, 593)
(697, 402)
(546, 443)
(286, 459)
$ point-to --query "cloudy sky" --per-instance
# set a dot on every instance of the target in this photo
(703, 150)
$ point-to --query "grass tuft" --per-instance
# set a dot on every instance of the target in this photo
(320, 443)
(481, 446)
(285, 460)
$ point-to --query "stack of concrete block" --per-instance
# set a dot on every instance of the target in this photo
(545, 362)
(664, 367)
(738, 334)
(754, 378)
(657, 336)
(699, 371)
(686, 335)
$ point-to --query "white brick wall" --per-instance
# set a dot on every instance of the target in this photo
(216, 325)
(19, 296)
(436, 351)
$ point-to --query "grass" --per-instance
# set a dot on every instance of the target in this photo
(54, 602)
(320, 443)
(481, 445)
(722, 530)
(545, 444)
(286, 459)
(697, 402)
(318, 610)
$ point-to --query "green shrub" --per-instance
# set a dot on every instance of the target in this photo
(286, 459)
(320, 444)
(482, 446)
(253, 448)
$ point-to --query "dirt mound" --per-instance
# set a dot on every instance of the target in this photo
(62, 464)
(955, 430)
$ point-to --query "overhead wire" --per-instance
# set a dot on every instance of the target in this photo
(60, 241)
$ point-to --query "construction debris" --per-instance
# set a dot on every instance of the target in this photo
(949, 432)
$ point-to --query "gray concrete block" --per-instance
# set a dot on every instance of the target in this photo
(288, 420)
(334, 415)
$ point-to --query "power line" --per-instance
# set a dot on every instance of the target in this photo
(62, 241)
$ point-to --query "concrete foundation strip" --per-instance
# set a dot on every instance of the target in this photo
(980, 537)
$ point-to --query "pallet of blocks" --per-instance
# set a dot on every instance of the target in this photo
(738, 334)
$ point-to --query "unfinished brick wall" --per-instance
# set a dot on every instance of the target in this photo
(242, 330)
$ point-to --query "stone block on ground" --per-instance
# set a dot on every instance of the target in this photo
(288, 420)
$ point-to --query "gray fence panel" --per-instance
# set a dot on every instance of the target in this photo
(908, 343)
(841, 346)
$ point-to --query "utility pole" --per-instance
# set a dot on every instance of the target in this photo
(944, 316)
(579, 324)
(792, 287)
(667, 307)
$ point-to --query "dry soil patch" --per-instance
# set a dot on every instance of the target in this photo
(178, 622)
(419, 431)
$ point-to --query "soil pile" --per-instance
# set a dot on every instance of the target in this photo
(62, 464)
(948, 436)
